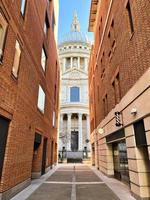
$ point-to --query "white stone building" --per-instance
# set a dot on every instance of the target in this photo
(74, 133)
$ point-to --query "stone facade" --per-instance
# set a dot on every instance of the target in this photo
(28, 138)
(120, 90)
(74, 52)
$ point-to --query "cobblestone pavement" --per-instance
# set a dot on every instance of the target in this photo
(75, 182)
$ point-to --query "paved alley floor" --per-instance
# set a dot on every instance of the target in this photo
(74, 182)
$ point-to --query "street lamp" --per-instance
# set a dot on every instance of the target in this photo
(100, 131)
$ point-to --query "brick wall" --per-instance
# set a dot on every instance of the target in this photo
(121, 51)
(18, 97)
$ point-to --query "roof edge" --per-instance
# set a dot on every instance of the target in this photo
(93, 12)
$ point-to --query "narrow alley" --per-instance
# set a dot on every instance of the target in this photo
(75, 100)
(75, 182)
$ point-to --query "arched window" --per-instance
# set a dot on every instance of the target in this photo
(74, 94)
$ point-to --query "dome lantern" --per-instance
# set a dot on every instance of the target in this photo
(75, 35)
(75, 26)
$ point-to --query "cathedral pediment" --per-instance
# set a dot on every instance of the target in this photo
(74, 73)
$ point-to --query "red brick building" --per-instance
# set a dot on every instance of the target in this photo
(119, 85)
(29, 86)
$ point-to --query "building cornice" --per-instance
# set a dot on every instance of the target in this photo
(74, 105)
(93, 12)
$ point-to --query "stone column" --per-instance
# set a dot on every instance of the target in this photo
(80, 132)
(64, 64)
(71, 62)
(61, 122)
(61, 132)
(78, 62)
(88, 132)
(86, 63)
(69, 133)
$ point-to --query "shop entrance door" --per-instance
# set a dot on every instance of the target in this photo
(121, 171)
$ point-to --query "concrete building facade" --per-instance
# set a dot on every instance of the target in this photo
(29, 88)
(74, 51)
(119, 89)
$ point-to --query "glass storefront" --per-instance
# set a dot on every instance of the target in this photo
(121, 171)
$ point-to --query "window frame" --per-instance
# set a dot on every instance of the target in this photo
(54, 119)
(46, 25)
(53, 21)
(23, 8)
(130, 16)
(40, 107)
(4, 24)
(15, 69)
(105, 105)
(44, 67)
(116, 88)
(77, 100)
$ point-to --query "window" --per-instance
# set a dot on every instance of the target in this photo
(128, 7)
(74, 94)
(103, 65)
(3, 29)
(53, 21)
(109, 54)
(16, 63)
(100, 29)
(140, 136)
(117, 90)
(112, 23)
(23, 6)
(118, 86)
(43, 59)
(49, 1)
(55, 93)
(46, 25)
(105, 105)
(54, 118)
(112, 40)
(41, 99)
(98, 95)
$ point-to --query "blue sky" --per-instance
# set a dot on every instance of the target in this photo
(66, 10)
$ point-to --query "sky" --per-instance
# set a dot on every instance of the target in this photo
(66, 10)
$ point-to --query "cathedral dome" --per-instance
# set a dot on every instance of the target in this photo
(75, 35)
